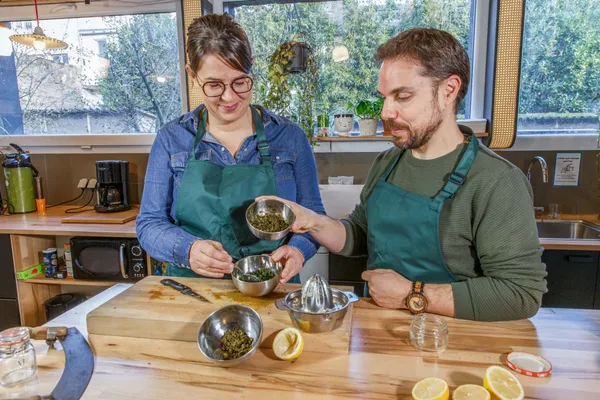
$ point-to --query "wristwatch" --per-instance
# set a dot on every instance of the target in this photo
(416, 302)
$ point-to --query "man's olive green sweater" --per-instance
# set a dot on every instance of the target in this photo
(487, 232)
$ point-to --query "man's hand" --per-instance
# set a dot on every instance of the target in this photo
(306, 219)
(208, 258)
(292, 260)
(387, 287)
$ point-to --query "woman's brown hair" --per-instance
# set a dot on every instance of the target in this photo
(220, 35)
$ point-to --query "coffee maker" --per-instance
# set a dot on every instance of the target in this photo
(113, 193)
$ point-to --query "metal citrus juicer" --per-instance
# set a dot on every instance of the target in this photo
(316, 295)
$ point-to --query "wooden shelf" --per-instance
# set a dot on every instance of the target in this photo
(69, 281)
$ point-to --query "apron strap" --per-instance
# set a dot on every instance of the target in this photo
(263, 144)
(458, 177)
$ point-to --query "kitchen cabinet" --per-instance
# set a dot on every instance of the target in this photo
(9, 306)
(572, 279)
(347, 271)
(9, 314)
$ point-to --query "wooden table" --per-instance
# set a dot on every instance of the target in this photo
(381, 365)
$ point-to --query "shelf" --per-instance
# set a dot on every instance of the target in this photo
(358, 144)
(70, 281)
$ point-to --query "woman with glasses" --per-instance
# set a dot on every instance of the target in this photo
(206, 167)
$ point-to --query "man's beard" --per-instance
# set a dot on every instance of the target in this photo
(418, 136)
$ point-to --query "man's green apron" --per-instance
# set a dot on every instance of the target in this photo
(403, 227)
(213, 199)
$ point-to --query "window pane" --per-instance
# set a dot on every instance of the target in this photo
(360, 25)
(559, 69)
(119, 75)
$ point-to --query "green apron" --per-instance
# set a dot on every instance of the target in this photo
(213, 199)
(403, 232)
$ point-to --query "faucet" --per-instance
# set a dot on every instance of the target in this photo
(544, 166)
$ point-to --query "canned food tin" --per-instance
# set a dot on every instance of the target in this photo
(50, 262)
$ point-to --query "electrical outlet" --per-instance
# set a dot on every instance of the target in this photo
(83, 182)
(92, 184)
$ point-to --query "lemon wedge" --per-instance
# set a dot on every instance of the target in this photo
(502, 384)
(471, 392)
(431, 389)
(288, 344)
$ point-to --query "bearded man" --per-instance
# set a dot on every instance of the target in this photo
(448, 225)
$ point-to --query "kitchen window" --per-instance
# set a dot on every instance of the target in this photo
(131, 87)
(559, 72)
(359, 25)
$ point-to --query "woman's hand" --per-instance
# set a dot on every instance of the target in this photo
(208, 258)
(306, 219)
(292, 260)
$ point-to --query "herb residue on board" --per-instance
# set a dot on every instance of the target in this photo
(269, 222)
(235, 344)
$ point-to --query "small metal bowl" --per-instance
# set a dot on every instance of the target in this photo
(232, 317)
(251, 264)
(270, 206)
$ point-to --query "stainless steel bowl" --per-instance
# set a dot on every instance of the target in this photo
(316, 322)
(229, 317)
(270, 206)
(251, 264)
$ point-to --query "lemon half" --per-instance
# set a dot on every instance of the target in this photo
(288, 344)
(471, 392)
(502, 384)
(431, 389)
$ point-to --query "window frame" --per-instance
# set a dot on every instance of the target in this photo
(86, 143)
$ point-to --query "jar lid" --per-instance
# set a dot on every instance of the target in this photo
(529, 364)
(13, 336)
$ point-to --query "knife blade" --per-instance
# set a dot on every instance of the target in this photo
(183, 289)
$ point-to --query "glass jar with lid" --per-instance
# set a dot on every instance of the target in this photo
(429, 332)
(17, 357)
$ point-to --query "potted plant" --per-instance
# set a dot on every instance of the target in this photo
(292, 67)
(368, 112)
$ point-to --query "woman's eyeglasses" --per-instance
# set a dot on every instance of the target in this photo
(217, 88)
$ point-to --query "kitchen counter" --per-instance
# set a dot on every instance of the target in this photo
(381, 364)
(50, 224)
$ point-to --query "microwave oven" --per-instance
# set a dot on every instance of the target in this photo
(115, 259)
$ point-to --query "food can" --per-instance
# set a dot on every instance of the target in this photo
(68, 260)
(50, 262)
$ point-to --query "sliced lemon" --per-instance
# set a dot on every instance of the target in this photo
(502, 384)
(431, 389)
(288, 344)
(471, 392)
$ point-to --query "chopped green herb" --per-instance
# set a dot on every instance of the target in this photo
(235, 344)
(269, 223)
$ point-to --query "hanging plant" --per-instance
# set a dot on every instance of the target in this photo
(292, 67)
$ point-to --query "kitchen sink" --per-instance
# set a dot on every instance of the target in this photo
(562, 229)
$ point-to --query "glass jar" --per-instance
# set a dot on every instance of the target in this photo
(17, 357)
(429, 332)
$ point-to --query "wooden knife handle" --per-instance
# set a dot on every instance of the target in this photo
(41, 333)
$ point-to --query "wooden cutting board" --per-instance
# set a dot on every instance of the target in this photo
(94, 217)
(151, 310)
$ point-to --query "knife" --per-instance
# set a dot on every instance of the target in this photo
(183, 289)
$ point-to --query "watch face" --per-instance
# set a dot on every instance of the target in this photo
(417, 303)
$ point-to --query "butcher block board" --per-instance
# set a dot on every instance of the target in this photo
(94, 217)
(151, 310)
